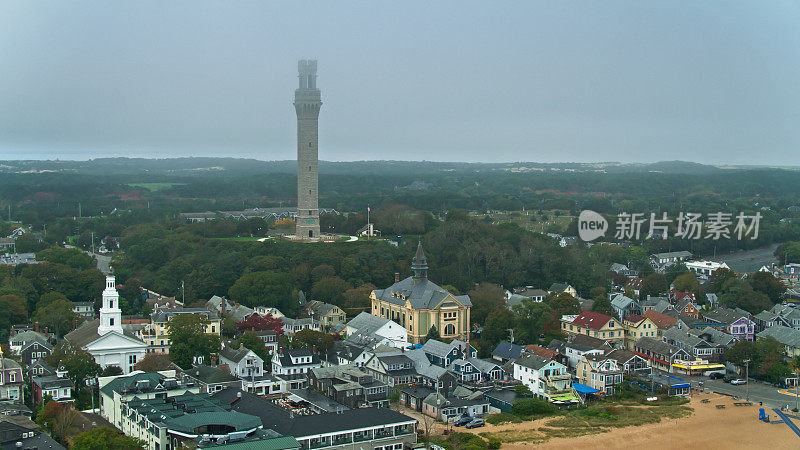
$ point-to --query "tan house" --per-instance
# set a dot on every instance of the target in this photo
(662, 321)
(156, 335)
(636, 327)
(325, 313)
(600, 372)
(596, 325)
(417, 304)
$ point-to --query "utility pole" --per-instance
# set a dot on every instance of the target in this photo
(92, 243)
(747, 379)
(183, 293)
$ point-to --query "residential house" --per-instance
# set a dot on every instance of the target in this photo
(326, 313)
(393, 369)
(462, 402)
(600, 372)
(596, 325)
(270, 338)
(292, 326)
(660, 354)
(662, 322)
(371, 330)
(658, 304)
(35, 349)
(212, 379)
(688, 308)
(788, 337)
(506, 351)
(291, 366)
(624, 306)
(84, 310)
(224, 307)
(348, 429)
(560, 288)
(630, 362)
(622, 269)
(515, 298)
(249, 367)
(11, 382)
(19, 434)
(545, 378)
(634, 284)
(660, 261)
(268, 310)
(636, 327)
(571, 353)
(418, 305)
(674, 296)
(349, 385)
(156, 335)
(789, 313)
(768, 319)
(694, 346)
(39, 368)
(542, 351)
(737, 322)
(443, 355)
(720, 340)
(58, 387)
(22, 338)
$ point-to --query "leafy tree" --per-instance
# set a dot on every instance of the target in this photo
(312, 339)
(598, 292)
(56, 316)
(267, 289)
(103, 438)
(111, 371)
(357, 298)
(563, 304)
(49, 297)
(330, 290)
(12, 311)
(59, 418)
(154, 362)
(260, 323)
(688, 283)
(451, 289)
(654, 285)
(71, 257)
(531, 318)
(674, 270)
(720, 278)
(486, 297)
(78, 363)
(603, 306)
(322, 271)
(433, 333)
(188, 338)
(522, 390)
(767, 284)
(788, 252)
(250, 340)
(496, 327)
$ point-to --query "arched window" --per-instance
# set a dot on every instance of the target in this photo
(449, 329)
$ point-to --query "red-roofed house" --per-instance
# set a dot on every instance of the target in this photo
(677, 296)
(596, 325)
(661, 320)
(636, 327)
(541, 351)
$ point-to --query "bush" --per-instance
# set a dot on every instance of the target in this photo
(494, 443)
(465, 441)
(531, 406)
(497, 419)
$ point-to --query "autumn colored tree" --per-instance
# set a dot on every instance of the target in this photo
(260, 323)
(103, 438)
(312, 339)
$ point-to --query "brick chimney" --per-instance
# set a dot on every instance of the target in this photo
(222, 306)
(280, 351)
(36, 324)
(397, 277)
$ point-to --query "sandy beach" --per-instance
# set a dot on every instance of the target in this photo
(708, 427)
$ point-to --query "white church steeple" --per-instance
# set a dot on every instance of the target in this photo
(110, 314)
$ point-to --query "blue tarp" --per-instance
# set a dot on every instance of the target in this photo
(584, 389)
(678, 386)
(675, 378)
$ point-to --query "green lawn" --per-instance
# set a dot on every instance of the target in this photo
(152, 187)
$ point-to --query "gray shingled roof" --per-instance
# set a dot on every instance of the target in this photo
(422, 294)
(535, 362)
(86, 333)
(784, 335)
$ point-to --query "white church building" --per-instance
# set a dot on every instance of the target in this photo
(106, 339)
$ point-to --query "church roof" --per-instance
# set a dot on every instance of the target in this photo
(86, 333)
(421, 293)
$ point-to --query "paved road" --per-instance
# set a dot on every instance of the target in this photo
(759, 392)
(103, 262)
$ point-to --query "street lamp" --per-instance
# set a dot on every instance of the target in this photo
(747, 379)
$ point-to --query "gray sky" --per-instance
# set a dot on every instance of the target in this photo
(711, 81)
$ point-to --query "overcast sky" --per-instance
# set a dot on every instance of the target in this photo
(712, 81)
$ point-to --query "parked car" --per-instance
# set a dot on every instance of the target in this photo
(476, 423)
(463, 420)
(738, 381)
(716, 375)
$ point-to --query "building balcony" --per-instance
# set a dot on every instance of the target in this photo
(559, 377)
(359, 437)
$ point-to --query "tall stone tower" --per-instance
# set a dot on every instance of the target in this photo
(307, 102)
(110, 314)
